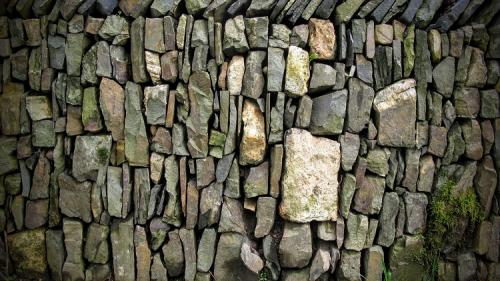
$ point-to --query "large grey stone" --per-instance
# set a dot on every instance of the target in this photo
(395, 105)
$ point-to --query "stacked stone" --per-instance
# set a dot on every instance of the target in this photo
(245, 140)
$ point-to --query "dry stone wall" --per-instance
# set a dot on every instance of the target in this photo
(246, 139)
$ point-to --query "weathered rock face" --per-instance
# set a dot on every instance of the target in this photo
(91, 154)
(297, 72)
(295, 249)
(395, 105)
(253, 140)
(112, 101)
(161, 139)
(28, 252)
(309, 182)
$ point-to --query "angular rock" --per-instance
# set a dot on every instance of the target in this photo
(250, 257)
(201, 104)
(322, 39)
(96, 244)
(490, 104)
(253, 141)
(43, 133)
(74, 198)
(306, 195)
(235, 41)
(372, 260)
(91, 116)
(295, 248)
(328, 112)
(297, 72)
(206, 250)
(90, 155)
(74, 266)
(346, 10)
(416, 212)
(443, 75)
(426, 174)
(210, 205)
(228, 264)
(253, 80)
(485, 182)
(232, 217)
(36, 213)
(437, 140)
(266, 209)
(323, 77)
(153, 66)
(114, 191)
(377, 160)
(359, 105)
(74, 52)
(137, 49)
(396, 102)
(136, 141)
(349, 267)
(368, 196)
(275, 69)
(257, 31)
(472, 136)
(357, 228)
(122, 245)
(55, 252)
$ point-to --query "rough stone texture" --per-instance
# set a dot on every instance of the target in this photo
(297, 72)
(308, 196)
(295, 248)
(396, 102)
(28, 252)
(328, 113)
(253, 141)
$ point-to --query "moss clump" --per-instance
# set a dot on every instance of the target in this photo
(313, 56)
(446, 212)
(263, 275)
(102, 155)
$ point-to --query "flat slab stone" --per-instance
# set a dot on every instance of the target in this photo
(310, 182)
(395, 105)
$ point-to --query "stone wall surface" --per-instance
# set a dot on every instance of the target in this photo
(236, 140)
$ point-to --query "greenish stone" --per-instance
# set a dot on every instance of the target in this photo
(74, 94)
(8, 162)
(328, 112)
(43, 134)
(356, 230)
(122, 245)
(196, 6)
(91, 153)
(347, 193)
(39, 107)
(56, 253)
(115, 29)
(409, 51)
(136, 140)
(172, 213)
(201, 104)
(96, 244)
(91, 116)
(28, 253)
(74, 51)
(228, 264)
(173, 256)
(345, 11)
(377, 160)
(402, 260)
(235, 41)
(256, 183)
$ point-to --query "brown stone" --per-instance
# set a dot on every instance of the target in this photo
(322, 38)
(253, 141)
(112, 101)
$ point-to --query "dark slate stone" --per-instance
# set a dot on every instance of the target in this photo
(411, 10)
(325, 9)
(341, 42)
(237, 7)
(450, 16)
(381, 10)
(382, 66)
(364, 69)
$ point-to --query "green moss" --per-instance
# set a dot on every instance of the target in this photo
(313, 56)
(446, 212)
(387, 272)
(264, 275)
(102, 155)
